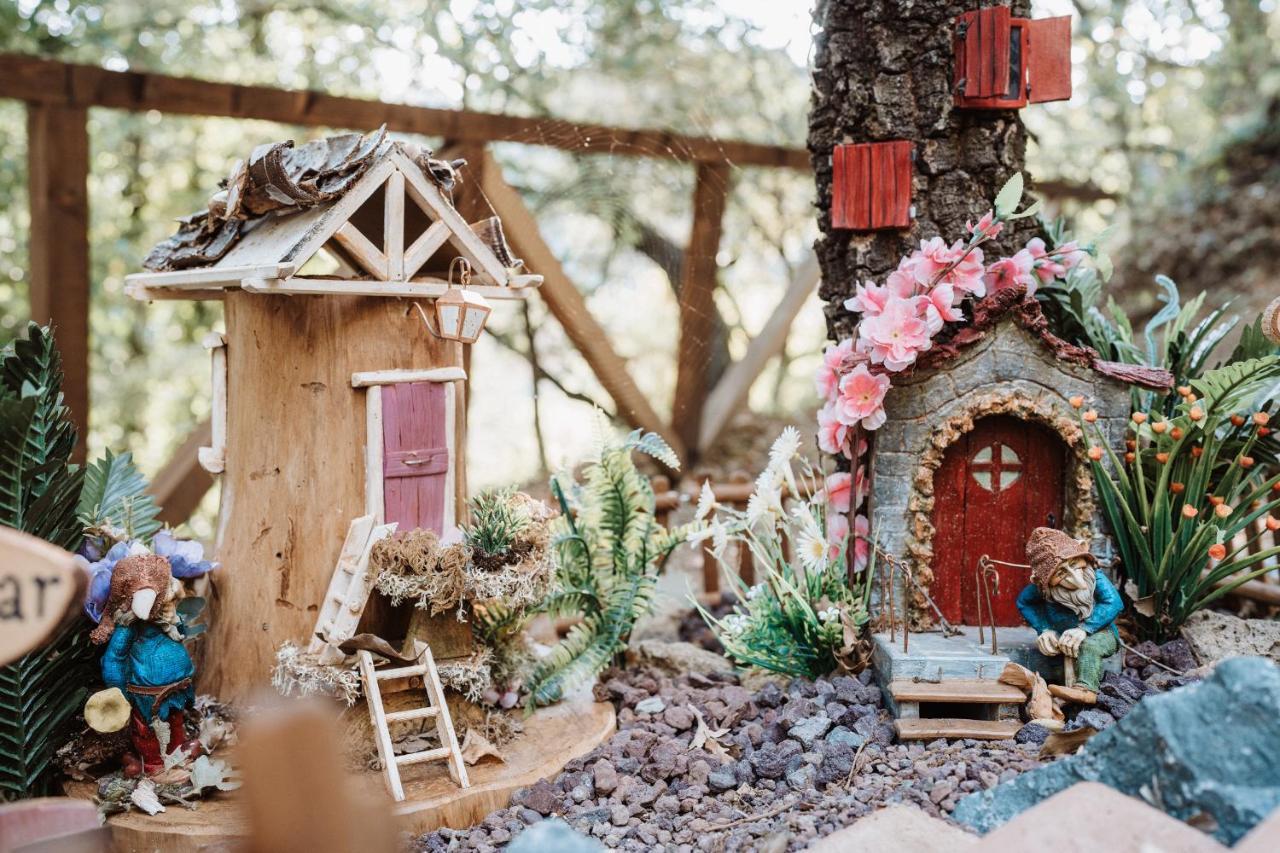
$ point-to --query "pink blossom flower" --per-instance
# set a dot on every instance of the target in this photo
(869, 298)
(861, 542)
(895, 336)
(987, 226)
(1047, 266)
(833, 434)
(936, 266)
(839, 491)
(1070, 254)
(933, 258)
(837, 533)
(966, 276)
(827, 379)
(862, 398)
(938, 307)
(1011, 272)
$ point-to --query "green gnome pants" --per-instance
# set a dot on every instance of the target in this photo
(1093, 651)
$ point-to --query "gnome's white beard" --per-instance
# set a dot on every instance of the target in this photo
(1078, 601)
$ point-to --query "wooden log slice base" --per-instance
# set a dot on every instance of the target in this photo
(552, 738)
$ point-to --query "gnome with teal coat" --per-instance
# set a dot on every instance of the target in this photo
(146, 659)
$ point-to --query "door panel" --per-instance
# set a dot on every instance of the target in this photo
(996, 484)
(415, 454)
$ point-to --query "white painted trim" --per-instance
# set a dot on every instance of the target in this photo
(214, 457)
(373, 498)
(206, 277)
(422, 288)
(366, 378)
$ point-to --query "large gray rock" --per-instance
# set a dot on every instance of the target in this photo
(677, 658)
(1215, 636)
(1211, 747)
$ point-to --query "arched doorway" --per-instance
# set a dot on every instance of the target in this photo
(997, 483)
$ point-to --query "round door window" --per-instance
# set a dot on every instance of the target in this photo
(996, 467)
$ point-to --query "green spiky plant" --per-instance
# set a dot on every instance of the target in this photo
(43, 494)
(1189, 489)
(609, 551)
(498, 521)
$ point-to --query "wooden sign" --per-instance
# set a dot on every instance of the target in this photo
(871, 185)
(1004, 63)
(39, 586)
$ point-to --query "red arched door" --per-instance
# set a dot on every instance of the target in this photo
(996, 484)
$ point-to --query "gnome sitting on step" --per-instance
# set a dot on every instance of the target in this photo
(146, 659)
(1073, 607)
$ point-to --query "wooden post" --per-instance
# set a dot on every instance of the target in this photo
(697, 300)
(57, 185)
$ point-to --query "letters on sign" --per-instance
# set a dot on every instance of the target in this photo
(871, 185)
(39, 586)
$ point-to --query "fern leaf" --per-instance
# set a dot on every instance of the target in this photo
(654, 445)
(1225, 388)
(115, 493)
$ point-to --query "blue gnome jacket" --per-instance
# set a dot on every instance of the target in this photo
(1044, 615)
(143, 654)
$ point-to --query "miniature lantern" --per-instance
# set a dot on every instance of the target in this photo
(461, 314)
(871, 185)
(1002, 62)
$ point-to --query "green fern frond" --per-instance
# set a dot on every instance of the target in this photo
(115, 493)
(654, 445)
(1231, 385)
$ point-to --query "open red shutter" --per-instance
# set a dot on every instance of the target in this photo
(415, 454)
(871, 185)
(982, 53)
(1049, 60)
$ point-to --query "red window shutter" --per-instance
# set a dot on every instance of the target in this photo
(1049, 60)
(871, 185)
(982, 53)
(415, 455)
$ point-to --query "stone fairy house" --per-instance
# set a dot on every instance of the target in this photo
(982, 445)
(335, 397)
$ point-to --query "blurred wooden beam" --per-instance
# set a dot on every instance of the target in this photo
(45, 81)
(731, 392)
(57, 186)
(182, 483)
(1073, 190)
(697, 300)
(568, 306)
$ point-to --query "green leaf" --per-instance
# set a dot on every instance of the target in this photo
(1009, 196)
(115, 493)
(1031, 210)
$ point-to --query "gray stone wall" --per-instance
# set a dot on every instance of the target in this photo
(1008, 372)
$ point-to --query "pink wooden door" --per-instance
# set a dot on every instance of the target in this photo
(415, 454)
(996, 484)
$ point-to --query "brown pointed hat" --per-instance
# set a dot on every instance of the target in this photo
(141, 571)
(1048, 548)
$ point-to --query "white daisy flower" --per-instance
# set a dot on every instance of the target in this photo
(706, 501)
(754, 592)
(697, 537)
(719, 539)
(785, 447)
(764, 509)
(813, 550)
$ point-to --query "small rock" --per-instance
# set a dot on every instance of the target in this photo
(841, 734)
(652, 705)
(810, 729)
(606, 777)
(1031, 733)
(940, 792)
(1094, 717)
(722, 779)
(678, 717)
(619, 815)
(542, 797)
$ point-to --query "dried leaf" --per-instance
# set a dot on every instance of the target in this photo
(1145, 606)
(212, 773)
(1066, 743)
(1040, 704)
(144, 797)
(706, 738)
(476, 746)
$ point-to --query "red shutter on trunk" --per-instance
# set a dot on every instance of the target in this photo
(415, 454)
(1049, 60)
(982, 52)
(871, 185)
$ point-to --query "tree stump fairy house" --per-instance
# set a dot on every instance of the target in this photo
(340, 381)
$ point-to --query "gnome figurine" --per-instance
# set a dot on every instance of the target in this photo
(1073, 607)
(146, 659)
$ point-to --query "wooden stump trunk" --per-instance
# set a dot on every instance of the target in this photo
(294, 474)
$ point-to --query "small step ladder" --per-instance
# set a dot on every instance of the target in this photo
(437, 709)
(348, 592)
(998, 704)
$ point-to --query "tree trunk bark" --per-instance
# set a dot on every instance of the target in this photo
(883, 71)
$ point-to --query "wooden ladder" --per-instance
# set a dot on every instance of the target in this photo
(437, 709)
(348, 592)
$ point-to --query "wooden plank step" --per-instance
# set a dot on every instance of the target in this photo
(968, 691)
(422, 757)
(930, 729)
(401, 672)
(414, 714)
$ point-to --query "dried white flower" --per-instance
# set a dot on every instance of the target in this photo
(706, 501)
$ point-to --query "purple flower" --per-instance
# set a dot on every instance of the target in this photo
(100, 577)
(186, 556)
